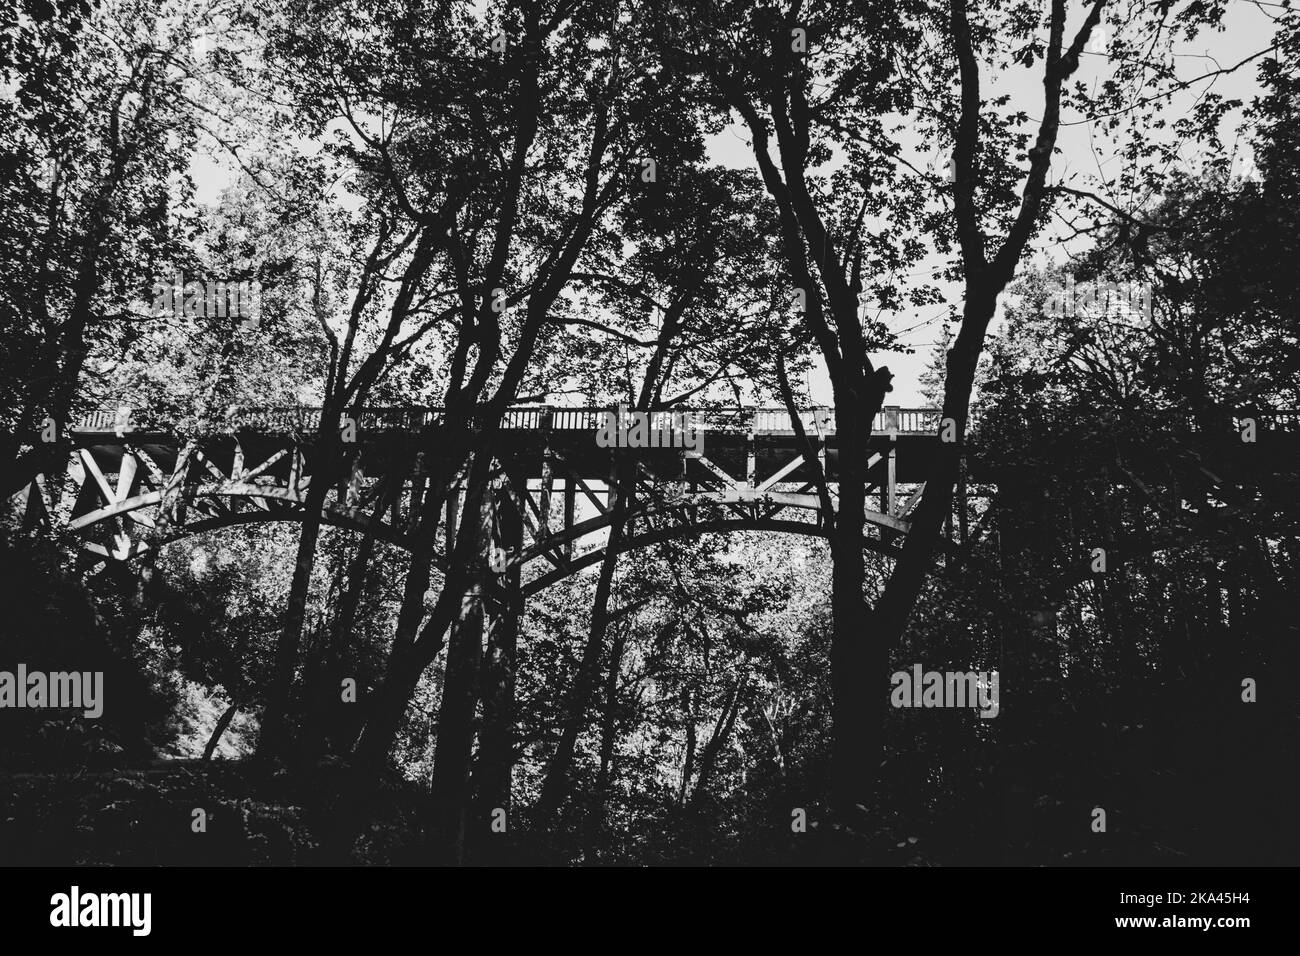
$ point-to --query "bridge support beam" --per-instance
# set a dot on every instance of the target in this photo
(891, 478)
(751, 460)
(570, 498)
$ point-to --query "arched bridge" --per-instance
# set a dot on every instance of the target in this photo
(738, 469)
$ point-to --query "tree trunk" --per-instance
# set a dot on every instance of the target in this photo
(493, 770)
(555, 787)
(322, 689)
(275, 739)
(609, 719)
(721, 731)
(325, 722)
(388, 706)
(415, 645)
(449, 787)
(220, 729)
(688, 764)
(858, 658)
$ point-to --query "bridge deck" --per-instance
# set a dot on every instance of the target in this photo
(256, 465)
(764, 421)
(727, 437)
(904, 438)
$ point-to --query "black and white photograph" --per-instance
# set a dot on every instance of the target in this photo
(860, 435)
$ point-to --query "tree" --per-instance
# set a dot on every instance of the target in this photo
(486, 216)
(696, 240)
(790, 75)
(98, 122)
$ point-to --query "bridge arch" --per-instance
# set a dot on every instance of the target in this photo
(688, 523)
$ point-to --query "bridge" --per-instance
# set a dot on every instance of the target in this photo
(553, 479)
(747, 472)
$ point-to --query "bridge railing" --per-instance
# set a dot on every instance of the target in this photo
(100, 420)
(305, 419)
(890, 420)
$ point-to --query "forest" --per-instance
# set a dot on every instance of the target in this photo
(621, 433)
